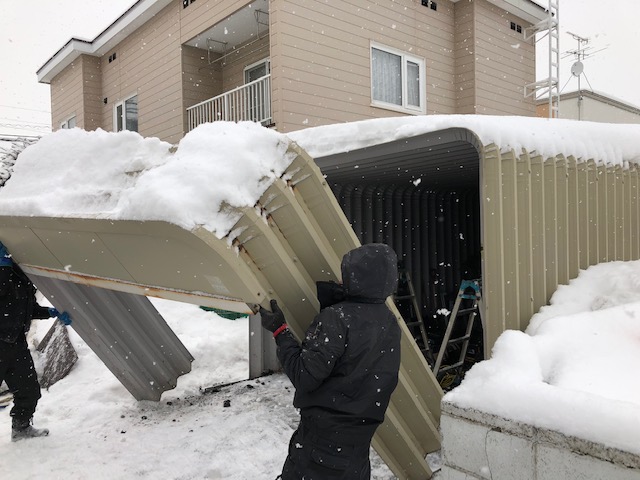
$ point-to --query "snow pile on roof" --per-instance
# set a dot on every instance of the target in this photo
(608, 143)
(575, 370)
(74, 173)
(10, 148)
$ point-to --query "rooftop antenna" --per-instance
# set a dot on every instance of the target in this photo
(577, 68)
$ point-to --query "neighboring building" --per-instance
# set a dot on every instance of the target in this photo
(591, 107)
(165, 66)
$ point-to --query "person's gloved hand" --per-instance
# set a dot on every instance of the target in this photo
(65, 318)
(273, 320)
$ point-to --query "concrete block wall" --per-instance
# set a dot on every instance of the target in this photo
(479, 446)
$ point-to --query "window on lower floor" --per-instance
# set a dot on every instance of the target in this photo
(126, 115)
(397, 80)
(69, 123)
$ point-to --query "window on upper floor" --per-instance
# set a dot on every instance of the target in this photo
(69, 123)
(126, 115)
(397, 80)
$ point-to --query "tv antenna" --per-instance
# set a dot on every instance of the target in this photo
(583, 51)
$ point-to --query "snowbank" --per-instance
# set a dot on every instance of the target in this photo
(575, 368)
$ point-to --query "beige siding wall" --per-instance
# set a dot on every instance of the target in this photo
(91, 93)
(465, 58)
(320, 63)
(76, 92)
(234, 65)
(320, 54)
(544, 219)
(148, 64)
(505, 63)
(200, 81)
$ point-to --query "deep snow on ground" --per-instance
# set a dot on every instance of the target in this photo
(99, 431)
(575, 369)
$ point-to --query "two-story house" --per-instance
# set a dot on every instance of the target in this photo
(166, 66)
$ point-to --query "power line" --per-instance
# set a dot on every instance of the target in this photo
(28, 109)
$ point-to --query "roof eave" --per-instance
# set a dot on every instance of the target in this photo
(139, 13)
(528, 10)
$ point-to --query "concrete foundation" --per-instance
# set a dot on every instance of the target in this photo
(478, 446)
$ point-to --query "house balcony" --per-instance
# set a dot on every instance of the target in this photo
(248, 102)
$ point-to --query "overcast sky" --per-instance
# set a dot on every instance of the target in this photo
(31, 31)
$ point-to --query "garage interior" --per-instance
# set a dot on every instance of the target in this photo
(421, 196)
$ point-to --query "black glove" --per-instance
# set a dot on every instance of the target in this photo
(273, 320)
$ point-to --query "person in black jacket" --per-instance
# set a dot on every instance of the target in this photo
(18, 307)
(345, 370)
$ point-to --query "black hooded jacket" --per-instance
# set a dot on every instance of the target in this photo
(18, 304)
(348, 363)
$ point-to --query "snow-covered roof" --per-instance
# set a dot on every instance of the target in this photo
(75, 173)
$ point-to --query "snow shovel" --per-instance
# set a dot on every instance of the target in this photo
(59, 355)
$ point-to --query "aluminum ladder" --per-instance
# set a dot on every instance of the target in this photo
(404, 277)
(471, 312)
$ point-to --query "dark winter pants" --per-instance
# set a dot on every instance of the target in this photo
(16, 368)
(318, 454)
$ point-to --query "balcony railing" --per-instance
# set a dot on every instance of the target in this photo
(250, 102)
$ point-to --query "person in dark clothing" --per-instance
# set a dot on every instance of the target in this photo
(18, 307)
(345, 370)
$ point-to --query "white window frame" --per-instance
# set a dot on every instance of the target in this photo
(265, 61)
(124, 118)
(66, 124)
(405, 58)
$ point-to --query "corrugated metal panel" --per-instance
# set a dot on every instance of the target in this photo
(297, 237)
(544, 219)
(126, 332)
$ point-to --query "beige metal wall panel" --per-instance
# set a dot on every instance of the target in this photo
(492, 247)
(147, 258)
(511, 239)
(575, 213)
(126, 332)
(562, 220)
(573, 217)
(634, 204)
(525, 241)
(593, 200)
(550, 227)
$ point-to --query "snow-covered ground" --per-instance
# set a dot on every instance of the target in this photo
(99, 431)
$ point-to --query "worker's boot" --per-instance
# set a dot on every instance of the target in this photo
(21, 428)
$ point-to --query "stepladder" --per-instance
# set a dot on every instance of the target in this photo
(413, 315)
(467, 306)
